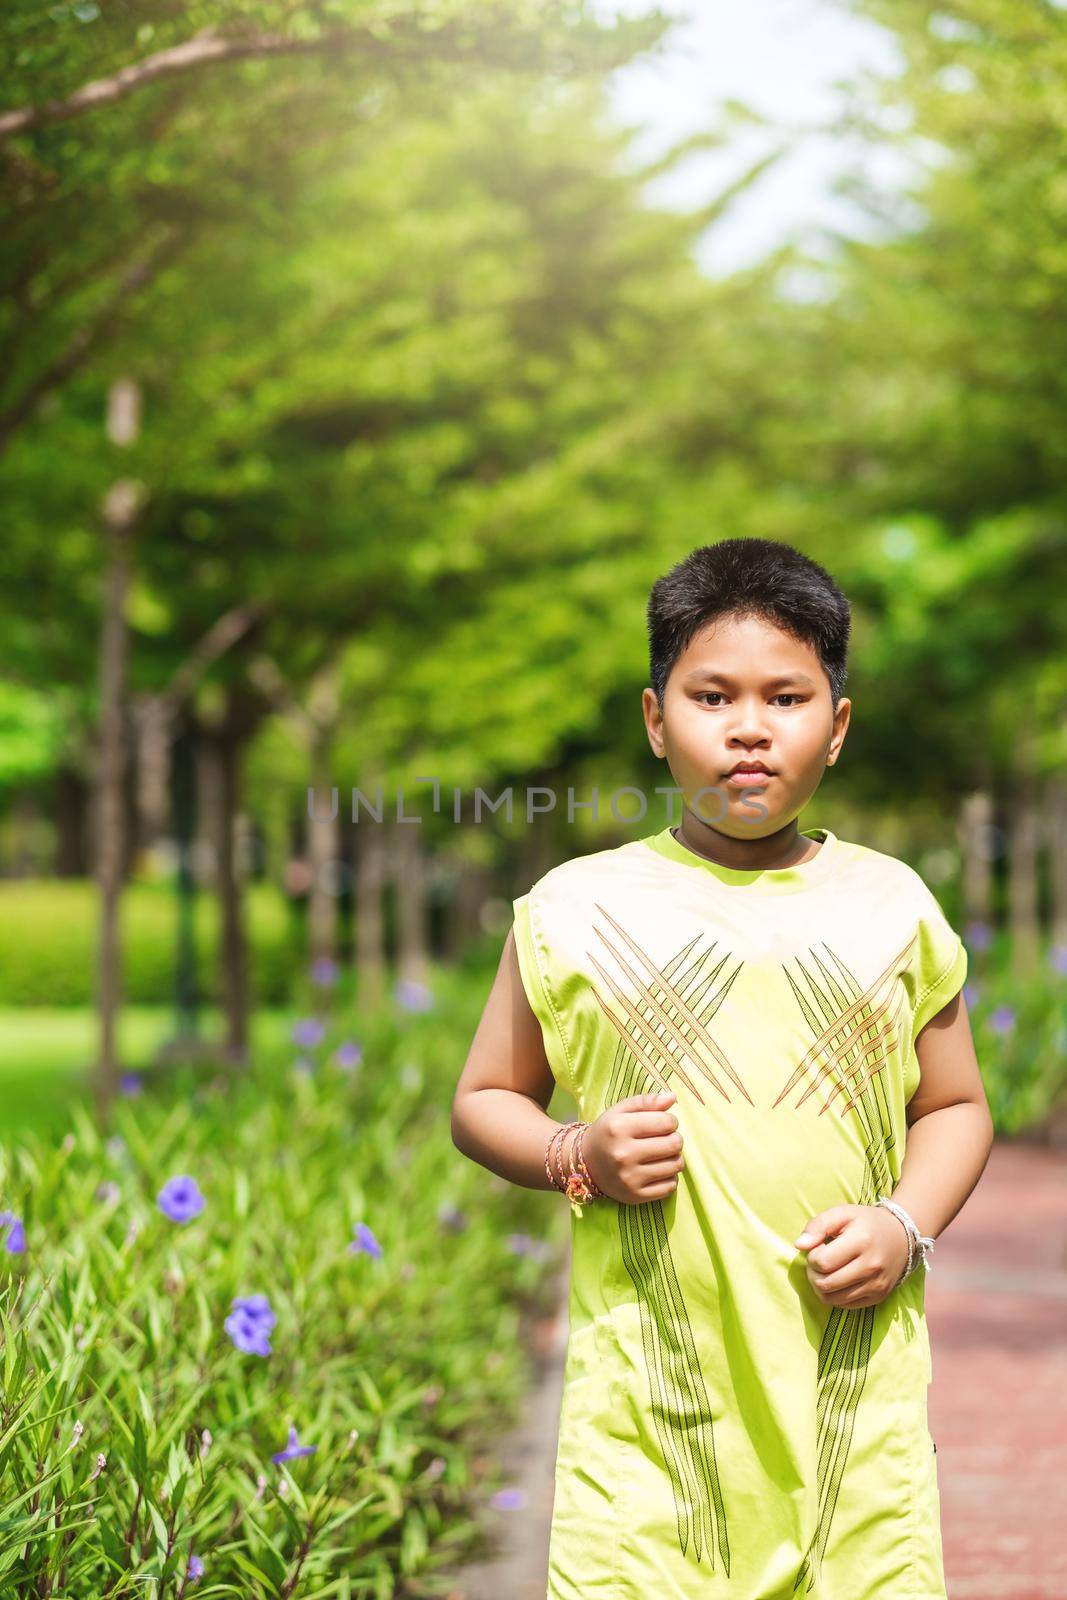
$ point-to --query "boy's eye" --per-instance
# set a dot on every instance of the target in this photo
(715, 694)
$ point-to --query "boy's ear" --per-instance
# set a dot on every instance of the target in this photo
(653, 721)
(842, 713)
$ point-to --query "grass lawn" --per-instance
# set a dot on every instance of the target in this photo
(45, 1054)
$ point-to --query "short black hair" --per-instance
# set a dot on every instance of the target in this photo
(744, 578)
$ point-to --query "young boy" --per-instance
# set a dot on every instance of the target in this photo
(745, 1399)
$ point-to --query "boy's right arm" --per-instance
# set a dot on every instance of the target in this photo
(500, 1117)
(499, 1112)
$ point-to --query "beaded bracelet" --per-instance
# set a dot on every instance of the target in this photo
(560, 1134)
(558, 1140)
(579, 1185)
(920, 1247)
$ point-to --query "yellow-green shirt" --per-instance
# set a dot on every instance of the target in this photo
(724, 1432)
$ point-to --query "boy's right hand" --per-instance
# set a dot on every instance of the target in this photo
(633, 1149)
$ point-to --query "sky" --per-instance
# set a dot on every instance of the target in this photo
(786, 58)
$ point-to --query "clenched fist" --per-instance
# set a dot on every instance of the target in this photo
(855, 1254)
(634, 1150)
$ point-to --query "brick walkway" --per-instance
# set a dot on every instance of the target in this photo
(996, 1303)
(516, 1566)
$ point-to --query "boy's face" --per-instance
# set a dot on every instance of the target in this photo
(746, 691)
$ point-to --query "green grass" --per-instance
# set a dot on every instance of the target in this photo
(49, 934)
(46, 1054)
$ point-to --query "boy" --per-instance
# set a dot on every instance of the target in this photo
(744, 1408)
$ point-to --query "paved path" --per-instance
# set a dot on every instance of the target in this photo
(996, 1303)
(519, 1568)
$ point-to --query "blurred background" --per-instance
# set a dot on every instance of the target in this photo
(364, 362)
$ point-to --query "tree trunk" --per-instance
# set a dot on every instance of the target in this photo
(324, 846)
(208, 806)
(410, 877)
(222, 753)
(1023, 883)
(474, 887)
(72, 857)
(120, 510)
(976, 834)
(183, 809)
(1056, 821)
(131, 821)
(152, 723)
(369, 873)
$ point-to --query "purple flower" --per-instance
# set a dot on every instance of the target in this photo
(524, 1244)
(979, 935)
(196, 1569)
(451, 1217)
(257, 1306)
(364, 1241)
(1002, 1019)
(971, 993)
(324, 972)
(180, 1199)
(130, 1084)
(15, 1242)
(411, 995)
(294, 1449)
(308, 1033)
(508, 1499)
(349, 1055)
(249, 1324)
(1058, 959)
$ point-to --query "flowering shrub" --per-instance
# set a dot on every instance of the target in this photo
(1020, 1030)
(306, 1246)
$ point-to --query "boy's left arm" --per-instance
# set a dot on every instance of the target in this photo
(950, 1134)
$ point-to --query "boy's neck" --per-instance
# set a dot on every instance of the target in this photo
(786, 848)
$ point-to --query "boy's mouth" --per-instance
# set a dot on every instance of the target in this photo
(755, 776)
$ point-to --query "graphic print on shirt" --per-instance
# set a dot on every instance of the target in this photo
(669, 1024)
(842, 1036)
(665, 1052)
(856, 1033)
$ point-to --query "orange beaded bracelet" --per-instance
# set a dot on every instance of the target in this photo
(579, 1185)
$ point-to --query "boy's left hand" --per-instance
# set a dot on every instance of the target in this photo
(855, 1254)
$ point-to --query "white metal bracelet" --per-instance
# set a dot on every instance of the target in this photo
(917, 1242)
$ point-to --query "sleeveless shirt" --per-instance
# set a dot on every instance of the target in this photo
(724, 1433)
